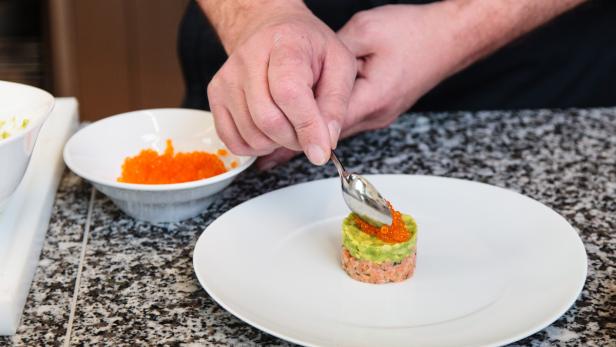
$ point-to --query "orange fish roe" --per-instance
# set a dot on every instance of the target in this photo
(234, 164)
(394, 233)
(222, 152)
(149, 167)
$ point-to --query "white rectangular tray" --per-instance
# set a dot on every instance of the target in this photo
(24, 222)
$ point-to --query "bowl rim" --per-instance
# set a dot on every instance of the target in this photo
(39, 121)
(151, 187)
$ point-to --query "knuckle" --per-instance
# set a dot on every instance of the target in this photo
(219, 83)
(304, 126)
(212, 88)
(226, 75)
(260, 143)
(285, 91)
(289, 56)
(269, 122)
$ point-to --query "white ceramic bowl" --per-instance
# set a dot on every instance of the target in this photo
(97, 152)
(21, 101)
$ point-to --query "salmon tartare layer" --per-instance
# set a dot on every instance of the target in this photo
(377, 273)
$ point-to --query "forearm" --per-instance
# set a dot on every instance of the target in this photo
(481, 27)
(232, 18)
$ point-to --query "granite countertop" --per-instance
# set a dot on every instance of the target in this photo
(138, 285)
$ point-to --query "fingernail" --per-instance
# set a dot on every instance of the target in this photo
(268, 165)
(316, 155)
(334, 132)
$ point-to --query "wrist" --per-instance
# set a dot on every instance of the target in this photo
(479, 28)
(461, 34)
(233, 20)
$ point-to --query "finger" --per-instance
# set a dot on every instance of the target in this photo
(352, 34)
(259, 143)
(359, 109)
(369, 108)
(227, 132)
(265, 113)
(290, 80)
(364, 104)
(279, 156)
(334, 90)
(363, 99)
(371, 87)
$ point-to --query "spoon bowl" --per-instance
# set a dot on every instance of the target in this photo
(361, 196)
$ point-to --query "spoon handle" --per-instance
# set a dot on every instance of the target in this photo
(341, 171)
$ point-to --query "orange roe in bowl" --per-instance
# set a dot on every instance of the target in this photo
(149, 167)
(396, 232)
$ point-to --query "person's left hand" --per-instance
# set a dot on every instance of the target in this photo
(403, 51)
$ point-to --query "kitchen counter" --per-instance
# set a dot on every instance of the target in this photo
(137, 285)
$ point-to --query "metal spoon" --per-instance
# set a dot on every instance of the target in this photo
(361, 196)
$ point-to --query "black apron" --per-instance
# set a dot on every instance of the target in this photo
(569, 62)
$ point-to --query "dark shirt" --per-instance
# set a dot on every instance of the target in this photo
(568, 62)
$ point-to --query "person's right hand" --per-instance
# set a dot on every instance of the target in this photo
(287, 83)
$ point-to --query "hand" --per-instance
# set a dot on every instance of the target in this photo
(287, 83)
(404, 51)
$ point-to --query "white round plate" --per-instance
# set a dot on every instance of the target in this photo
(493, 266)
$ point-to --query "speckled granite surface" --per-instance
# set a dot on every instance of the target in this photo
(138, 285)
(47, 308)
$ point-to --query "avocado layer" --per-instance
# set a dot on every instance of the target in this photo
(368, 247)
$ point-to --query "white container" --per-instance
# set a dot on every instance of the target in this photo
(24, 222)
(21, 101)
(97, 152)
